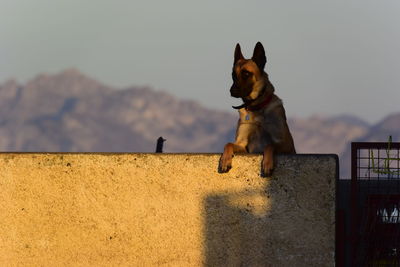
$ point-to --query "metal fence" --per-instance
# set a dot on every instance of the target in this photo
(375, 204)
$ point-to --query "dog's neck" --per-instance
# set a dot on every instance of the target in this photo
(264, 97)
(262, 103)
(262, 100)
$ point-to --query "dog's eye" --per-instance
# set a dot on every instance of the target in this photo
(245, 74)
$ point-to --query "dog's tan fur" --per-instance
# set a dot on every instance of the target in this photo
(262, 126)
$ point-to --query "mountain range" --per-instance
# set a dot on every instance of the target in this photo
(70, 112)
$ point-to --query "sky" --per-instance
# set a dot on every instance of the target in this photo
(323, 57)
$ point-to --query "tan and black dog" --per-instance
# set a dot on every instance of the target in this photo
(262, 126)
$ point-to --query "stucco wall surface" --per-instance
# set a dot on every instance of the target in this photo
(165, 210)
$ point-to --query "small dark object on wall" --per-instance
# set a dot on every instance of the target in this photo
(160, 143)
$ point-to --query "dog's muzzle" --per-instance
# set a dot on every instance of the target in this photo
(236, 92)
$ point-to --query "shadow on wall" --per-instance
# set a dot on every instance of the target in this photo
(235, 231)
(287, 221)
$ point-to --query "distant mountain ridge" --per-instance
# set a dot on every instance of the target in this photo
(71, 112)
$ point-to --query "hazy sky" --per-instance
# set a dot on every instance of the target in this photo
(329, 57)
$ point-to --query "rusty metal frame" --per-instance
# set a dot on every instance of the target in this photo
(355, 161)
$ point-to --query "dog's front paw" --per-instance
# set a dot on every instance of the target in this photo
(225, 163)
(267, 167)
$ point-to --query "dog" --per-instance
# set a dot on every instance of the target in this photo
(262, 125)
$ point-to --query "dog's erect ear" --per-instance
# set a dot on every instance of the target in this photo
(259, 56)
(238, 54)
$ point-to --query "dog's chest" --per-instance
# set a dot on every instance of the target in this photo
(249, 117)
(256, 129)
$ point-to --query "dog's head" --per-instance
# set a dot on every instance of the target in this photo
(249, 78)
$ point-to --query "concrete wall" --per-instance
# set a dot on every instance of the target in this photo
(165, 210)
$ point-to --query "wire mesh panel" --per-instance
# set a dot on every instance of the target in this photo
(375, 204)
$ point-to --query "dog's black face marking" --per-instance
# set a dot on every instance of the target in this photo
(242, 81)
(236, 92)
